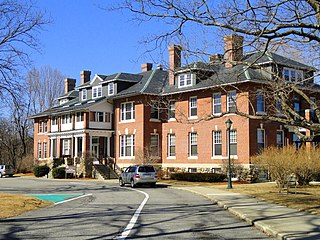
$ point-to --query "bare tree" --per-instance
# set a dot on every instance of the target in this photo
(267, 26)
(20, 23)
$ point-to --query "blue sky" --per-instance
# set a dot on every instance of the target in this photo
(83, 36)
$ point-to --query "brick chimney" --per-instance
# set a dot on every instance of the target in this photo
(146, 67)
(69, 84)
(233, 46)
(85, 76)
(174, 61)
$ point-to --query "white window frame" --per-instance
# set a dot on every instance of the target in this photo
(193, 104)
(261, 139)
(127, 141)
(111, 89)
(124, 112)
(40, 127)
(54, 120)
(155, 153)
(193, 141)
(232, 101)
(216, 140)
(66, 146)
(79, 116)
(45, 126)
(216, 102)
(282, 139)
(172, 110)
(233, 141)
(96, 91)
(171, 144)
(185, 80)
(84, 94)
(39, 150)
(293, 75)
(261, 101)
(45, 149)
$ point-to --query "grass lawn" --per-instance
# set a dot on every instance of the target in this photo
(301, 198)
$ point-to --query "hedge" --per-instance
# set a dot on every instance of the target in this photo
(59, 172)
(41, 170)
(199, 177)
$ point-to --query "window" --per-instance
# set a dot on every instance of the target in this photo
(312, 110)
(217, 143)
(127, 146)
(172, 109)
(280, 139)
(39, 150)
(108, 117)
(171, 145)
(84, 94)
(80, 117)
(97, 116)
(261, 140)
(45, 125)
(54, 120)
(297, 104)
(216, 103)
(127, 111)
(66, 146)
(260, 102)
(45, 150)
(292, 75)
(154, 145)
(193, 107)
(97, 92)
(233, 142)
(185, 80)
(278, 107)
(193, 147)
(66, 119)
(231, 105)
(154, 113)
(110, 89)
(40, 126)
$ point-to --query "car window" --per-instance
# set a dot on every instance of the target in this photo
(146, 169)
(132, 169)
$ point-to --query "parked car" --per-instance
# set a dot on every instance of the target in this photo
(6, 170)
(138, 175)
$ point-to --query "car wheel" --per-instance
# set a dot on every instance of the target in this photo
(153, 184)
(0, 175)
(132, 183)
(121, 183)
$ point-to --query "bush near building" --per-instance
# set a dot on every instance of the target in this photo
(199, 177)
(283, 163)
(59, 172)
(41, 170)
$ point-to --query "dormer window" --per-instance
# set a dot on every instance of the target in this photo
(110, 89)
(292, 75)
(185, 80)
(84, 94)
(97, 92)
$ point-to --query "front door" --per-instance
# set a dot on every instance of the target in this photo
(95, 147)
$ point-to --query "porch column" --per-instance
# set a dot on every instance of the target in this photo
(51, 148)
(108, 146)
(76, 147)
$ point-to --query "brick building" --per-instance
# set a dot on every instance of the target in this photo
(174, 118)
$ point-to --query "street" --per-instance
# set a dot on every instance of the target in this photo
(110, 212)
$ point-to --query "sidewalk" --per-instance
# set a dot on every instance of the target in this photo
(275, 220)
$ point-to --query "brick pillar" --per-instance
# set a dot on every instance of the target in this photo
(174, 61)
(233, 46)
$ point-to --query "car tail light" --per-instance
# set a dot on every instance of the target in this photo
(137, 176)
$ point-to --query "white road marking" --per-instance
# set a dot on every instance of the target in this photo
(134, 218)
(71, 199)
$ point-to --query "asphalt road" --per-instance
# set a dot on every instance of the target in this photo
(112, 212)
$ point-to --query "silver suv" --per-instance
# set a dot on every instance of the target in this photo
(6, 170)
(135, 175)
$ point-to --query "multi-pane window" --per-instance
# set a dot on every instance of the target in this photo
(217, 143)
(171, 145)
(66, 119)
(40, 126)
(45, 125)
(154, 145)
(193, 106)
(45, 150)
(260, 140)
(66, 146)
(99, 117)
(39, 150)
(280, 138)
(261, 107)
(111, 89)
(54, 120)
(154, 114)
(185, 80)
(84, 94)
(292, 75)
(297, 104)
(127, 111)
(172, 109)
(127, 146)
(108, 117)
(193, 144)
(233, 142)
(231, 104)
(97, 92)
(216, 99)
(80, 116)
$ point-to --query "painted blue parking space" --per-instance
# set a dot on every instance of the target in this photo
(56, 198)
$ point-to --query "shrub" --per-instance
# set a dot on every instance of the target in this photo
(59, 172)
(41, 170)
(199, 177)
(57, 162)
